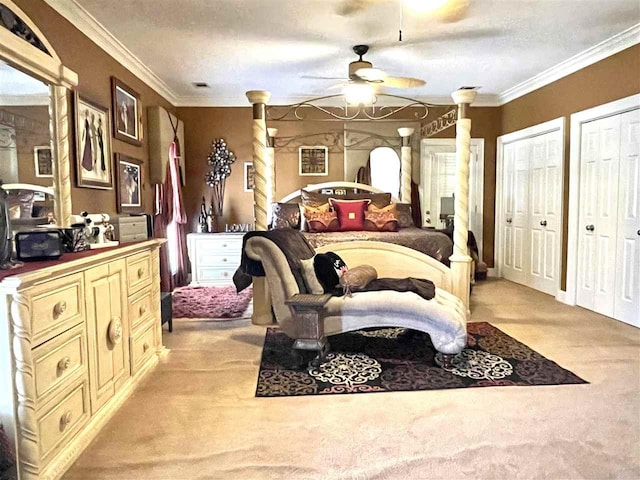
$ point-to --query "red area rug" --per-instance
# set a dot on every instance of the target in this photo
(210, 302)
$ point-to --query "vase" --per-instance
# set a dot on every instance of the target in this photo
(212, 223)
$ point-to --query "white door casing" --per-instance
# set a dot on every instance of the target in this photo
(624, 261)
(431, 151)
(529, 185)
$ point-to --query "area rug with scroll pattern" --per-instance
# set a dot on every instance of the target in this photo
(388, 359)
(210, 302)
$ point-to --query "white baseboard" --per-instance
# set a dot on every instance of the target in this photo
(492, 272)
(561, 296)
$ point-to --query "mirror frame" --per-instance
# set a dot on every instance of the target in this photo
(49, 68)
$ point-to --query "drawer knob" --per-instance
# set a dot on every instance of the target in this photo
(145, 347)
(225, 274)
(142, 310)
(224, 259)
(140, 272)
(224, 245)
(65, 419)
(115, 331)
(60, 308)
(64, 364)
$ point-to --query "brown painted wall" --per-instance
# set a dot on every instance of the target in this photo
(94, 68)
(610, 79)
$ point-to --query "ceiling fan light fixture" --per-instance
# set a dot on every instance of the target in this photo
(422, 6)
(359, 93)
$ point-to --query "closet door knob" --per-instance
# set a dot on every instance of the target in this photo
(590, 228)
(543, 223)
(509, 220)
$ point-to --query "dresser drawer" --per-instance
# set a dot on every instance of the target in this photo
(138, 271)
(140, 307)
(133, 237)
(215, 275)
(142, 346)
(55, 307)
(211, 258)
(63, 418)
(128, 228)
(58, 360)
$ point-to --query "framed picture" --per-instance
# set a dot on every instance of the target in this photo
(313, 161)
(249, 177)
(129, 183)
(127, 113)
(42, 160)
(93, 144)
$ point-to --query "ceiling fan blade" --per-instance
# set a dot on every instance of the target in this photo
(371, 74)
(403, 82)
(316, 77)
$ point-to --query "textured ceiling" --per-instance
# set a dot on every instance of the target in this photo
(241, 45)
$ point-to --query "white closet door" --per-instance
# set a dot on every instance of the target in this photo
(545, 211)
(598, 214)
(627, 264)
(516, 205)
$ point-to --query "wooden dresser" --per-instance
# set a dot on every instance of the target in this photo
(214, 257)
(75, 339)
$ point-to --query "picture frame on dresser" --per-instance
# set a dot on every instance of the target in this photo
(93, 143)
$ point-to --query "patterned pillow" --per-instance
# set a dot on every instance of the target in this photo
(380, 200)
(357, 278)
(350, 213)
(329, 267)
(381, 219)
(405, 219)
(285, 215)
(313, 199)
(317, 220)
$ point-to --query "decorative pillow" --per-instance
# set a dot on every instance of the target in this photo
(313, 199)
(350, 213)
(317, 220)
(405, 219)
(309, 276)
(381, 219)
(378, 199)
(285, 215)
(357, 278)
(328, 267)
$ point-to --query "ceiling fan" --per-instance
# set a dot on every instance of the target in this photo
(447, 11)
(362, 72)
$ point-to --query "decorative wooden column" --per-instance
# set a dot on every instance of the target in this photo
(460, 260)
(405, 164)
(272, 133)
(259, 99)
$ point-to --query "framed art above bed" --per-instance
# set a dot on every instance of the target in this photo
(313, 161)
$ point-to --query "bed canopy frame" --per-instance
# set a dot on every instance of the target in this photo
(264, 143)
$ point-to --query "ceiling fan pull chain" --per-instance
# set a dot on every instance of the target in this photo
(400, 30)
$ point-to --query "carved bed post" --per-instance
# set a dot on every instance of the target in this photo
(405, 165)
(262, 166)
(460, 260)
(272, 133)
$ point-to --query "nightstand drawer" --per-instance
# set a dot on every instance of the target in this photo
(217, 259)
(138, 271)
(55, 307)
(58, 360)
(215, 275)
(140, 307)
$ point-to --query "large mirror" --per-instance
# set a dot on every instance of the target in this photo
(26, 148)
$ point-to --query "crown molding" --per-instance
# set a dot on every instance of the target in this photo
(621, 41)
(97, 33)
(215, 101)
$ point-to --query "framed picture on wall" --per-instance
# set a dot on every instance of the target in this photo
(249, 177)
(127, 113)
(93, 144)
(313, 161)
(42, 160)
(129, 181)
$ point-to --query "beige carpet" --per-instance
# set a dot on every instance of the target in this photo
(196, 417)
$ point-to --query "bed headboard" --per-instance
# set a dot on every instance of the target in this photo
(294, 197)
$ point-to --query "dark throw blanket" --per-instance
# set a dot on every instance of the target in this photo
(294, 246)
(423, 287)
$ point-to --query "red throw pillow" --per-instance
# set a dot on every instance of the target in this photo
(350, 213)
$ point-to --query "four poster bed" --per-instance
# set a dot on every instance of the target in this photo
(389, 253)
